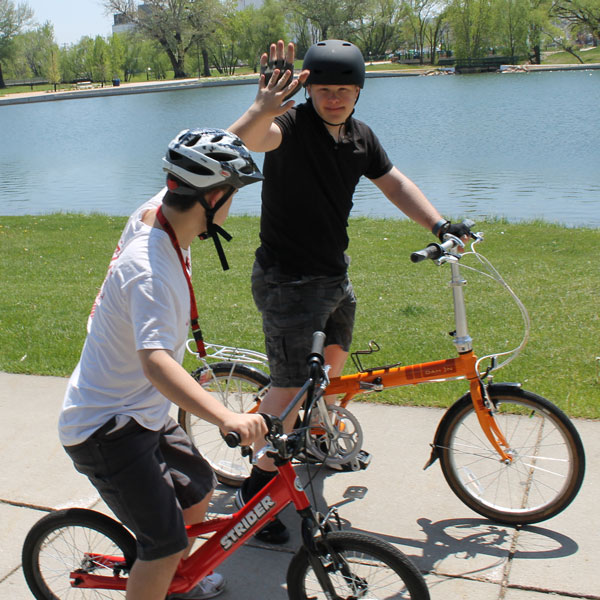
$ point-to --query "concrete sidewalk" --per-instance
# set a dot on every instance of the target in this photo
(465, 556)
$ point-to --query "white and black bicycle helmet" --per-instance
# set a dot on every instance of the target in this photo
(198, 160)
(335, 62)
(207, 158)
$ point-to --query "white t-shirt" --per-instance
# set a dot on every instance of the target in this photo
(144, 303)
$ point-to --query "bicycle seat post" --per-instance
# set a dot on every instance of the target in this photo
(462, 339)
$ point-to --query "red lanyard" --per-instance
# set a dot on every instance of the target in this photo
(193, 308)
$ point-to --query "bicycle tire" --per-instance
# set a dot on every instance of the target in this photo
(372, 561)
(548, 458)
(240, 388)
(61, 543)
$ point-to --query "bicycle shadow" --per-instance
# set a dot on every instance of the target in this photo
(448, 542)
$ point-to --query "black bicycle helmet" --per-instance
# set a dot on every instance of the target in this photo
(199, 160)
(335, 62)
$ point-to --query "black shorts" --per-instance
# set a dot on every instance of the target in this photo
(293, 308)
(146, 478)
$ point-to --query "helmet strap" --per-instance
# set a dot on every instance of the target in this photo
(213, 230)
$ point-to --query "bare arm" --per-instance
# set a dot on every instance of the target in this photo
(176, 384)
(256, 127)
(404, 194)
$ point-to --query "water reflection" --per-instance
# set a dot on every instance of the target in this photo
(515, 146)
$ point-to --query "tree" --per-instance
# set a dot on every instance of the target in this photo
(177, 25)
(126, 54)
(559, 38)
(101, 63)
(330, 18)
(33, 47)
(72, 62)
(261, 27)
(52, 67)
(377, 32)
(579, 13)
(13, 18)
(539, 20)
(419, 16)
(434, 32)
(471, 22)
(225, 42)
(116, 53)
(512, 26)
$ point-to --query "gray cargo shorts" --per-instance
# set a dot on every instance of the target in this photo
(146, 478)
(293, 308)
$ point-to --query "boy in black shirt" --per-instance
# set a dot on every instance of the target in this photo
(315, 155)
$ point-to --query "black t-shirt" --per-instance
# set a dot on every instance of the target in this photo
(307, 193)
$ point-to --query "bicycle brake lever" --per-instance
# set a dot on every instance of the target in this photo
(262, 452)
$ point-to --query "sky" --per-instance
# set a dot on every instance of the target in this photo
(72, 19)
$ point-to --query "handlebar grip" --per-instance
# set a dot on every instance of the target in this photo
(232, 439)
(268, 420)
(432, 251)
(318, 343)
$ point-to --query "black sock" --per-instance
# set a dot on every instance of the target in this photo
(256, 482)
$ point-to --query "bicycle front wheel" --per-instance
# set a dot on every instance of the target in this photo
(72, 540)
(358, 566)
(548, 458)
(240, 388)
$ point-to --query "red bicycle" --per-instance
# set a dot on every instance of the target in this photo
(80, 553)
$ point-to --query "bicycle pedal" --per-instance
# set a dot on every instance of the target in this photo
(360, 463)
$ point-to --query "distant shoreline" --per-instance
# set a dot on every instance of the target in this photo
(193, 83)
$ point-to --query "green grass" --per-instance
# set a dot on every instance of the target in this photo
(564, 58)
(53, 265)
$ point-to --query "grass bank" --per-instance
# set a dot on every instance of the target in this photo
(53, 265)
(590, 55)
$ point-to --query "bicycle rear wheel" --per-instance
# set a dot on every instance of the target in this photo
(358, 566)
(71, 540)
(548, 458)
(240, 388)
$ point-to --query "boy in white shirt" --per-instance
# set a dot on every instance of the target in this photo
(114, 423)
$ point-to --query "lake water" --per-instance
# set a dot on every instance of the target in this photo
(519, 146)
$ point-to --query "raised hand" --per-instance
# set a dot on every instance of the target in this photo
(277, 72)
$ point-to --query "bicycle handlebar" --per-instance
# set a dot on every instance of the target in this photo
(233, 439)
(275, 424)
(435, 251)
(318, 343)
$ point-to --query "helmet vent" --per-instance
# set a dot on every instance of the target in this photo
(220, 156)
(190, 140)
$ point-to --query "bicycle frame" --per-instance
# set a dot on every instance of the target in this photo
(464, 366)
(228, 534)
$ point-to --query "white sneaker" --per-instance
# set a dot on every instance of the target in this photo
(209, 587)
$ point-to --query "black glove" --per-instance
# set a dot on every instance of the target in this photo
(283, 66)
(456, 229)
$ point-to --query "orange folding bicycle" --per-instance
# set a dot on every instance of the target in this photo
(509, 454)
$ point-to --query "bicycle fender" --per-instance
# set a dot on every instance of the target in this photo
(456, 407)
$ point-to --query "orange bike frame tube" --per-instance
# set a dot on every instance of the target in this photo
(461, 367)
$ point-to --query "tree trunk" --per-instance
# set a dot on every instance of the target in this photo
(176, 62)
(206, 62)
(570, 51)
(2, 84)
